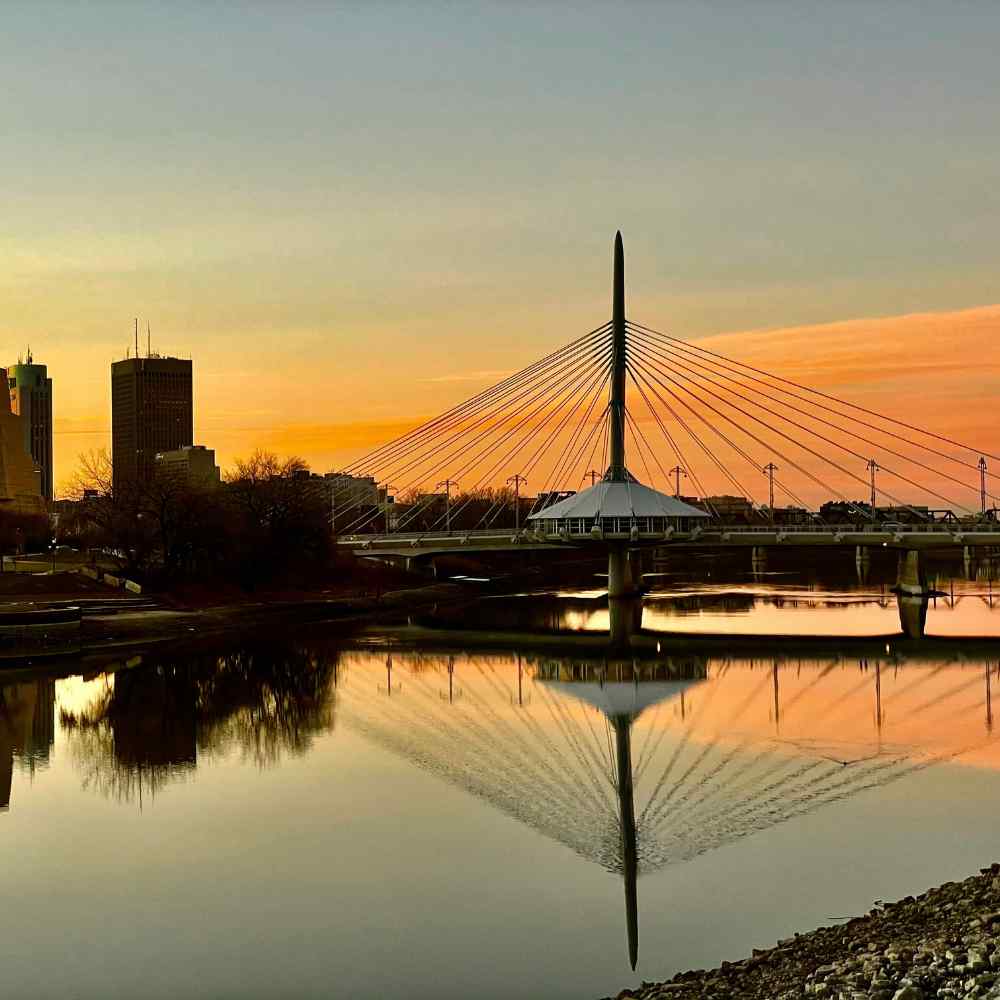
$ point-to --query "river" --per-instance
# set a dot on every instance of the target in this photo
(434, 808)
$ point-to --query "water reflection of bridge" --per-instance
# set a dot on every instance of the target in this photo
(636, 764)
(633, 763)
(592, 624)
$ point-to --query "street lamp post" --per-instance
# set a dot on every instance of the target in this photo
(447, 484)
(387, 488)
(517, 479)
(678, 471)
(769, 470)
(873, 467)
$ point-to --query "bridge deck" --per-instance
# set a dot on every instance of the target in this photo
(931, 536)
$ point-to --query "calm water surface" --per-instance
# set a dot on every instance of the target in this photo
(420, 814)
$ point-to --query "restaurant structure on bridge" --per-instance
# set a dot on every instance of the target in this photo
(613, 508)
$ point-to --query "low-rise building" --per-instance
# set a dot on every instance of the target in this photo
(730, 508)
(192, 465)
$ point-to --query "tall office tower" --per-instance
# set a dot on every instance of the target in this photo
(31, 400)
(151, 412)
(20, 480)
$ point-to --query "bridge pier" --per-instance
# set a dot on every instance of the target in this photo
(912, 614)
(758, 560)
(625, 620)
(421, 565)
(970, 562)
(911, 578)
(863, 563)
(623, 578)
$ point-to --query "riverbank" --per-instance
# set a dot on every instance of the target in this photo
(945, 943)
(114, 624)
(167, 622)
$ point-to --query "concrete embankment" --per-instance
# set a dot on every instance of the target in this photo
(126, 625)
(152, 626)
(945, 943)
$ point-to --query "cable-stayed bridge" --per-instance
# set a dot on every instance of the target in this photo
(679, 413)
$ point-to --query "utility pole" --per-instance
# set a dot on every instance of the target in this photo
(769, 470)
(982, 481)
(872, 467)
(517, 479)
(387, 488)
(678, 471)
(594, 476)
(447, 484)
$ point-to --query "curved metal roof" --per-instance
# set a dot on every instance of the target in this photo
(622, 698)
(614, 499)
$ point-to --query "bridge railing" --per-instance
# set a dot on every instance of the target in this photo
(406, 536)
(884, 527)
(888, 527)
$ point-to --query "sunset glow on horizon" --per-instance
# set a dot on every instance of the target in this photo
(370, 214)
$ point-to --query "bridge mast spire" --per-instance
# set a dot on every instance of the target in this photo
(617, 472)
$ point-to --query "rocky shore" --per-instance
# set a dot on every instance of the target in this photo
(945, 943)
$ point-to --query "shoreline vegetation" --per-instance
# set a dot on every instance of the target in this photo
(944, 943)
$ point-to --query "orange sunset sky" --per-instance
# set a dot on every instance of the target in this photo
(353, 217)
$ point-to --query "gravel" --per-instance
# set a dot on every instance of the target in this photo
(945, 943)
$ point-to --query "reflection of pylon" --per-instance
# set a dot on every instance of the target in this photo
(777, 700)
(989, 700)
(879, 717)
(519, 699)
(452, 693)
(389, 687)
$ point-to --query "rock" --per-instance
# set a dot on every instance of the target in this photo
(909, 993)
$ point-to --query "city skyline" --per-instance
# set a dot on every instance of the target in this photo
(824, 356)
(456, 177)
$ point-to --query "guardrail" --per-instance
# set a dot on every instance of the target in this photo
(883, 527)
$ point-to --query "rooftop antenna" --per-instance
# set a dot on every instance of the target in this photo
(148, 353)
(137, 336)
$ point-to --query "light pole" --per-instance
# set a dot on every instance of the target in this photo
(982, 481)
(872, 467)
(769, 470)
(387, 488)
(517, 479)
(594, 476)
(678, 471)
(447, 484)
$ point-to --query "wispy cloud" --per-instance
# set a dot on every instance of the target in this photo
(479, 376)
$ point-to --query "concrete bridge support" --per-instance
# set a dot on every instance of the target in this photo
(970, 562)
(623, 574)
(422, 565)
(758, 560)
(911, 578)
(863, 563)
(912, 615)
(625, 614)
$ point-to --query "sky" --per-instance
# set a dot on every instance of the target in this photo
(353, 216)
